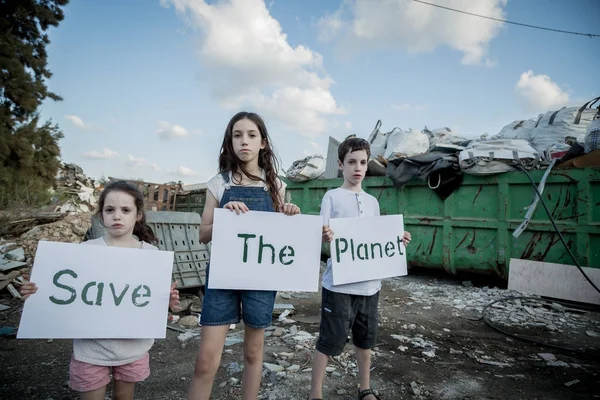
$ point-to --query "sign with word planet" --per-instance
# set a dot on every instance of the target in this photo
(368, 248)
(260, 250)
(97, 292)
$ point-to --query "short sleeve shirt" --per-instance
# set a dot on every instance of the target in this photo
(343, 203)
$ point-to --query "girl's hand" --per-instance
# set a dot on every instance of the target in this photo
(406, 238)
(174, 298)
(27, 289)
(237, 206)
(327, 233)
(289, 209)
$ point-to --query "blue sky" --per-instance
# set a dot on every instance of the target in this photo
(149, 85)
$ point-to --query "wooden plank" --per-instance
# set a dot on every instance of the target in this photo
(558, 281)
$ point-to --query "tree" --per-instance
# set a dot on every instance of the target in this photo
(29, 152)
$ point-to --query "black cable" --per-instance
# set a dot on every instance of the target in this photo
(494, 326)
(591, 35)
(562, 239)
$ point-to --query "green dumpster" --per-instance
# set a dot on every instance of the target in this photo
(472, 229)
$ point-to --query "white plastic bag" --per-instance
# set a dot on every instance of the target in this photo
(311, 167)
(378, 141)
(520, 129)
(443, 136)
(555, 126)
(497, 156)
(592, 137)
(406, 143)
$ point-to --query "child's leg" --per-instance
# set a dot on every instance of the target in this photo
(364, 336)
(363, 359)
(336, 318)
(220, 308)
(97, 394)
(257, 312)
(126, 376)
(207, 363)
(254, 341)
(318, 375)
(123, 390)
(88, 379)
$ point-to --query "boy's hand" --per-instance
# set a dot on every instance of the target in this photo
(174, 298)
(289, 209)
(237, 206)
(27, 289)
(327, 233)
(406, 238)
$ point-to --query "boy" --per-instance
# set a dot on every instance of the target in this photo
(354, 305)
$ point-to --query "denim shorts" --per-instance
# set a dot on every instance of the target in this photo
(225, 307)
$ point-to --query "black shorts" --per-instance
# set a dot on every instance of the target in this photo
(341, 312)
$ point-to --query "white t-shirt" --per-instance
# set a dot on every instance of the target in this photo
(343, 203)
(111, 352)
(216, 185)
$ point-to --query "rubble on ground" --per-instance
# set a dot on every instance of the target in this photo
(78, 190)
(469, 302)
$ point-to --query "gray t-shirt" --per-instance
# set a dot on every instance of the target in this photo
(343, 203)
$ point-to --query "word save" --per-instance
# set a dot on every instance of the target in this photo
(140, 296)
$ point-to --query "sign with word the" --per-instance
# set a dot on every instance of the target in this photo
(97, 292)
(260, 250)
(367, 248)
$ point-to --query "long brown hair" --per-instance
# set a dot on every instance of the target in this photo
(141, 228)
(229, 161)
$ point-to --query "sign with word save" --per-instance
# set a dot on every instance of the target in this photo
(265, 251)
(88, 291)
(368, 248)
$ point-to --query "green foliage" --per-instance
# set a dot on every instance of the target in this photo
(29, 151)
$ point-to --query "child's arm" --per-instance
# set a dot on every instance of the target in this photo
(207, 218)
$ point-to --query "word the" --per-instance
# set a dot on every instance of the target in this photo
(141, 291)
(286, 254)
(366, 251)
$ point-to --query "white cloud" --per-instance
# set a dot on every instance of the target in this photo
(539, 92)
(348, 125)
(105, 154)
(416, 27)
(409, 107)
(166, 130)
(251, 64)
(186, 172)
(155, 167)
(137, 161)
(78, 122)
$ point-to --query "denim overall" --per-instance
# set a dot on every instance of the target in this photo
(222, 306)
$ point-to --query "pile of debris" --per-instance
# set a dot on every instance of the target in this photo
(16, 255)
(70, 229)
(13, 264)
(78, 190)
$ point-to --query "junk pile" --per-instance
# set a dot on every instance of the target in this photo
(17, 254)
(569, 137)
(74, 190)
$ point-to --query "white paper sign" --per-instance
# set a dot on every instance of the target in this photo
(265, 251)
(97, 292)
(367, 248)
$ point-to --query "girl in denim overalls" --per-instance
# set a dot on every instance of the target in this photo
(247, 180)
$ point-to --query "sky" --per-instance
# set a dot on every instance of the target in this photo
(148, 86)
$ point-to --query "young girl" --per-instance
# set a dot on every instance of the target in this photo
(247, 180)
(121, 210)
